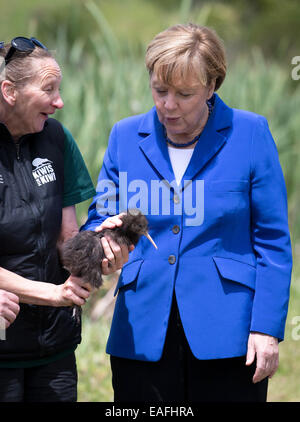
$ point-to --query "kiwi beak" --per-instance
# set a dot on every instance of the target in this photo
(150, 238)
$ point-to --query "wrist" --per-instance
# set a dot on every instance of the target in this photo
(55, 295)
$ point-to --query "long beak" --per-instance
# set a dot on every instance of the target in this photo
(150, 238)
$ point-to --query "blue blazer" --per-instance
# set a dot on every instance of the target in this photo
(223, 237)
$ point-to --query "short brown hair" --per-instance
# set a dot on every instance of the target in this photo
(182, 50)
(19, 68)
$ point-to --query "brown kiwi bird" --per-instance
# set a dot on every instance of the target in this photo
(82, 255)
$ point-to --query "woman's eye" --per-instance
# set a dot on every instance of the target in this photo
(185, 94)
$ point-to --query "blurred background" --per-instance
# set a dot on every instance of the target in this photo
(100, 46)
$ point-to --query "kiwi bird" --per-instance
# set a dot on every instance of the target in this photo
(82, 255)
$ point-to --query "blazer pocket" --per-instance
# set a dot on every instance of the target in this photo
(229, 186)
(129, 274)
(238, 271)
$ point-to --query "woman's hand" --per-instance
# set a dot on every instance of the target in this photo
(115, 255)
(73, 292)
(111, 223)
(265, 348)
(9, 307)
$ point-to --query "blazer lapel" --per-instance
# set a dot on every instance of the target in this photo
(154, 146)
(212, 138)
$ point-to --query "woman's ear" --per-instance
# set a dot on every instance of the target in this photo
(211, 89)
(9, 92)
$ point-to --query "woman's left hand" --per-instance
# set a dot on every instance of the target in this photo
(265, 348)
(115, 255)
(72, 292)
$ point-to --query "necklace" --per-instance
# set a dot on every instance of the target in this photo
(193, 141)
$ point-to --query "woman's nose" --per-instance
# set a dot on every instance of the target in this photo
(170, 102)
(58, 102)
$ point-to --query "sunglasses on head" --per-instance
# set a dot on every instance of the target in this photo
(22, 44)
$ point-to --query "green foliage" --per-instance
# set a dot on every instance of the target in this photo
(94, 374)
(285, 386)
(272, 25)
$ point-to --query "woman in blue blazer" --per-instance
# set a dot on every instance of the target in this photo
(200, 318)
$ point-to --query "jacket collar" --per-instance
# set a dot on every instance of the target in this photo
(6, 136)
(212, 139)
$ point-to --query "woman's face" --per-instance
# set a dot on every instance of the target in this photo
(181, 108)
(37, 99)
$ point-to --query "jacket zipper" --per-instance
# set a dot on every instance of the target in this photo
(18, 151)
(40, 239)
(33, 204)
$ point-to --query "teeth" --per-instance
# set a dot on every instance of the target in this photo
(150, 238)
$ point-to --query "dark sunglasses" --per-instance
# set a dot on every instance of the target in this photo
(23, 44)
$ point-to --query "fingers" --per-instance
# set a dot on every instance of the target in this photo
(12, 297)
(74, 292)
(265, 348)
(9, 307)
(111, 223)
(115, 255)
(8, 317)
(266, 367)
(275, 366)
(108, 252)
(106, 269)
(78, 282)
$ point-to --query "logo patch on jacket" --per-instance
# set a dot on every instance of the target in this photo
(43, 171)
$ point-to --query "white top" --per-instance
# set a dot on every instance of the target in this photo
(180, 159)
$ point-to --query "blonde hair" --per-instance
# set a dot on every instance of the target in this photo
(182, 51)
(19, 69)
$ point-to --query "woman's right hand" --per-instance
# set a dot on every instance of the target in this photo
(72, 292)
(9, 307)
(115, 255)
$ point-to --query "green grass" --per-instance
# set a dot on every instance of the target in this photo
(93, 366)
(285, 385)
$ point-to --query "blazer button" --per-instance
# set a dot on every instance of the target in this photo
(175, 229)
(172, 259)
